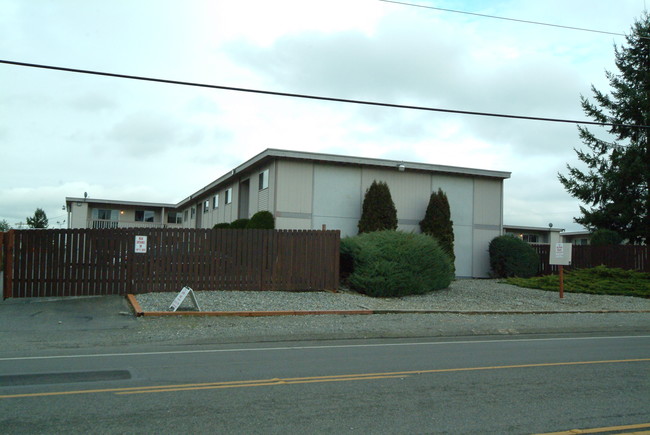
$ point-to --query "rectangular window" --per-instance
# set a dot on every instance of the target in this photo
(206, 206)
(103, 214)
(530, 238)
(264, 179)
(174, 217)
(193, 212)
(144, 216)
(215, 201)
(103, 218)
(229, 195)
(185, 213)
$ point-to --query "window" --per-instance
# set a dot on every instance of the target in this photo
(174, 217)
(185, 215)
(193, 212)
(215, 201)
(103, 218)
(144, 216)
(206, 206)
(229, 195)
(530, 238)
(103, 214)
(264, 179)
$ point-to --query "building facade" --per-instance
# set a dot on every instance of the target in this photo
(547, 235)
(311, 190)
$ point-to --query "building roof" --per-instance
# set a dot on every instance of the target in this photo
(577, 233)
(525, 228)
(272, 154)
(125, 203)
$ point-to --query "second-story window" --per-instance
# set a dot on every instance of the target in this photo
(264, 179)
(144, 216)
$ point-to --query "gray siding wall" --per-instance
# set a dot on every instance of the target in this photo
(310, 195)
(337, 198)
(294, 187)
(460, 193)
(257, 200)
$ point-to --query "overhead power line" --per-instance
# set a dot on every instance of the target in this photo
(313, 97)
(506, 18)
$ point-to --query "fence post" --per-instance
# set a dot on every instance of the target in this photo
(7, 249)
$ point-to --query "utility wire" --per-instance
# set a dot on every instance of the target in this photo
(507, 19)
(314, 97)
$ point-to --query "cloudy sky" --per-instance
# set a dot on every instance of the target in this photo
(63, 134)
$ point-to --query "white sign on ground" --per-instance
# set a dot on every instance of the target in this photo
(560, 254)
(141, 244)
(181, 297)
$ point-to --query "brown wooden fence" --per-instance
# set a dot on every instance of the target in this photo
(79, 262)
(631, 257)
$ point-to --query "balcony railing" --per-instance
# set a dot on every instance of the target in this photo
(110, 224)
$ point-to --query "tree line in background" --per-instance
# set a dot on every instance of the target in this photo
(39, 220)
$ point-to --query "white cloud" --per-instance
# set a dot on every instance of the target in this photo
(69, 133)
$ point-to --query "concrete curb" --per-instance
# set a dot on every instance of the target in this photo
(140, 313)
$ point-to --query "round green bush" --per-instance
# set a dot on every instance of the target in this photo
(604, 237)
(394, 263)
(221, 226)
(511, 256)
(239, 224)
(262, 220)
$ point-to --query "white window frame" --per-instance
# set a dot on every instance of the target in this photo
(229, 195)
(263, 180)
(215, 201)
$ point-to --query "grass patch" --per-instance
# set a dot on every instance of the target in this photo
(599, 280)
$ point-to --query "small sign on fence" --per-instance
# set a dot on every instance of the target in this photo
(141, 244)
(181, 297)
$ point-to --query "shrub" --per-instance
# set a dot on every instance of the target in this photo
(597, 280)
(239, 224)
(221, 225)
(394, 263)
(604, 237)
(511, 256)
(437, 221)
(378, 210)
(263, 220)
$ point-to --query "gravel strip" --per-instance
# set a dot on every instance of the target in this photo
(463, 295)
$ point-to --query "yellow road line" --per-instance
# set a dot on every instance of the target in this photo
(311, 379)
(266, 384)
(602, 429)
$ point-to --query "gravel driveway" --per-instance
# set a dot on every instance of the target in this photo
(467, 295)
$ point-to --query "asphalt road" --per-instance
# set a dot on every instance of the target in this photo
(472, 385)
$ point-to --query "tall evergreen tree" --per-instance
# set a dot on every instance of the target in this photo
(437, 221)
(616, 183)
(39, 220)
(378, 211)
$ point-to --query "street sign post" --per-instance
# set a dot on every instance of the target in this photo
(560, 255)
